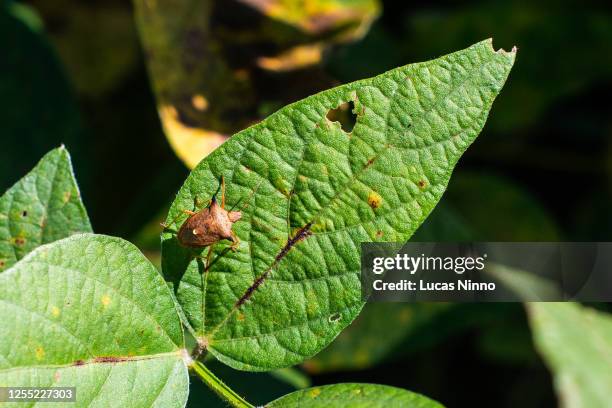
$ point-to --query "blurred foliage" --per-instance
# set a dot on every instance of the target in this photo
(346, 19)
(374, 336)
(576, 342)
(219, 67)
(38, 111)
(96, 42)
(524, 218)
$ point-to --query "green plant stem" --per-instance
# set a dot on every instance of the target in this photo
(218, 386)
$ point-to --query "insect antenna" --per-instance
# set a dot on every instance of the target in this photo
(248, 199)
(221, 188)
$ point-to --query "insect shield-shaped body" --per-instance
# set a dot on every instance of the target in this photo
(208, 226)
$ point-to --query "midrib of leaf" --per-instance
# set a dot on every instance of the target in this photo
(177, 354)
(469, 76)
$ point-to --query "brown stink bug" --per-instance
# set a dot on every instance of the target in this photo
(211, 224)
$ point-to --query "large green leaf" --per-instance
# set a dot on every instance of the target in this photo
(354, 396)
(42, 207)
(90, 311)
(577, 344)
(314, 193)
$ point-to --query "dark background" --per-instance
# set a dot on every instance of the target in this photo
(75, 73)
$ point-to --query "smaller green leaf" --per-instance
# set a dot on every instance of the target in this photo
(42, 207)
(91, 312)
(354, 396)
(576, 342)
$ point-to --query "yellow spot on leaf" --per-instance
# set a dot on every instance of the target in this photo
(40, 353)
(374, 200)
(199, 102)
(240, 316)
(67, 196)
(106, 300)
(55, 311)
(314, 393)
(190, 144)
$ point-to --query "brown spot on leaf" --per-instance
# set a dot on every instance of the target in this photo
(370, 162)
(379, 234)
(79, 363)
(19, 241)
(422, 184)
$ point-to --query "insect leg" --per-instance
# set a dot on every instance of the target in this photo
(165, 225)
(235, 242)
(209, 256)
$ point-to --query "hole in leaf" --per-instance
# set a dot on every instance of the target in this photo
(335, 317)
(344, 115)
(24, 214)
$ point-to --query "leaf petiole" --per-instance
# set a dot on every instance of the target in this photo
(219, 386)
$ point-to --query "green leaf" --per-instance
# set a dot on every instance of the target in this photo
(576, 342)
(42, 207)
(90, 311)
(314, 193)
(354, 396)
